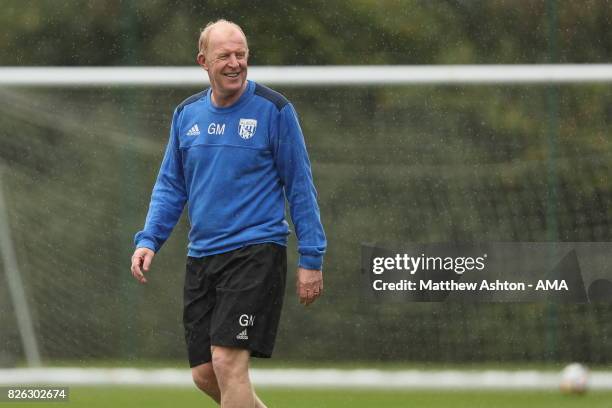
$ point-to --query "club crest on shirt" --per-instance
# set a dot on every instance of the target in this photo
(246, 128)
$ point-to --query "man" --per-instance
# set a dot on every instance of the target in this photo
(235, 152)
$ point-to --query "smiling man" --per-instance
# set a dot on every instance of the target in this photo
(236, 151)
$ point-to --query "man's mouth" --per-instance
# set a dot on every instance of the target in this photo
(232, 74)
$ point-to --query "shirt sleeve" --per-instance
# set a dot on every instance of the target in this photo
(293, 166)
(168, 197)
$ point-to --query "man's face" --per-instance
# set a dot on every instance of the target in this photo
(226, 61)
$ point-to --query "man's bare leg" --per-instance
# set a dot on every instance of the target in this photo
(231, 368)
(205, 379)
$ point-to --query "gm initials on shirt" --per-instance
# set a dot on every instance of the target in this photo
(216, 128)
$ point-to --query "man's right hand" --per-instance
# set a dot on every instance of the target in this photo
(141, 261)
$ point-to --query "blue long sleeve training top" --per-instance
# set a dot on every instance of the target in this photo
(234, 166)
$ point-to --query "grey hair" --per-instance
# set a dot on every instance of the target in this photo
(205, 34)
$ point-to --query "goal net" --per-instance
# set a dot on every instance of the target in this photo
(436, 161)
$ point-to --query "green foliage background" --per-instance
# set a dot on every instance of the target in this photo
(391, 164)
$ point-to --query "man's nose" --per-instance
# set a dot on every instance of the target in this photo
(233, 61)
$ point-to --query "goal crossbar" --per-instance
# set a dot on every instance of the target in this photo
(346, 75)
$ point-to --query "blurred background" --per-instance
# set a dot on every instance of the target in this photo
(392, 164)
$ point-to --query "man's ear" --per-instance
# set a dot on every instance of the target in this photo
(201, 60)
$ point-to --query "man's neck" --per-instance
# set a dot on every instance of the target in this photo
(223, 101)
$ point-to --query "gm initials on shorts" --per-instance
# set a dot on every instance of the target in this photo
(246, 320)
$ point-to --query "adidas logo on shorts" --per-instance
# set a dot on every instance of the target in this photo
(242, 335)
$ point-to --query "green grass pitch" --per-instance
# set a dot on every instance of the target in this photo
(94, 397)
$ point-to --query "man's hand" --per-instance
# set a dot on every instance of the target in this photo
(141, 261)
(309, 285)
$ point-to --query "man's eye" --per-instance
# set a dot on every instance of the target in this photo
(222, 56)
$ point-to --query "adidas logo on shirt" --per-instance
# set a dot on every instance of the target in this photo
(242, 335)
(194, 131)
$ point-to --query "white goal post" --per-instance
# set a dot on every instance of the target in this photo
(521, 380)
(344, 75)
(290, 76)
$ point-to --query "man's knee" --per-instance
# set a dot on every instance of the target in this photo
(204, 378)
(230, 362)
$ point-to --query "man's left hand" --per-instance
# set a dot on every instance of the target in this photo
(309, 285)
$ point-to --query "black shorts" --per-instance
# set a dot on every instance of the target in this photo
(234, 299)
